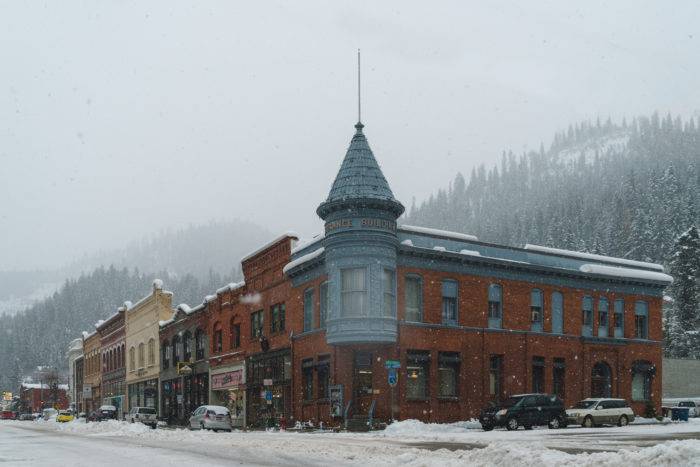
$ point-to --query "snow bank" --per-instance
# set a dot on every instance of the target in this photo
(416, 428)
(594, 257)
(407, 242)
(613, 271)
(438, 233)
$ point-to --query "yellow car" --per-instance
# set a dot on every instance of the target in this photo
(64, 416)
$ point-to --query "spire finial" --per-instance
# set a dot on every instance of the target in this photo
(359, 87)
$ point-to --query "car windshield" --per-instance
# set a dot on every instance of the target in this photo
(148, 410)
(511, 401)
(585, 404)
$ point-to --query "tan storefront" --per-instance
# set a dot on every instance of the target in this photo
(143, 347)
(92, 376)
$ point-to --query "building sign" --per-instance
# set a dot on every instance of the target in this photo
(7, 396)
(267, 382)
(226, 380)
(87, 392)
(361, 223)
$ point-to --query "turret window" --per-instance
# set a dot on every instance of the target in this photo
(354, 292)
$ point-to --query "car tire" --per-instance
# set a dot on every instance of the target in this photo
(201, 426)
(528, 427)
(588, 422)
(512, 424)
(555, 423)
(486, 427)
(623, 421)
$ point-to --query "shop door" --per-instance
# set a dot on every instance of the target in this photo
(363, 392)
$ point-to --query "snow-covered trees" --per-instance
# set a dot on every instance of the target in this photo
(683, 314)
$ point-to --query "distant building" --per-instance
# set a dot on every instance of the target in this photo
(75, 351)
(113, 356)
(143, 348)
(92, 372)
(38, 396)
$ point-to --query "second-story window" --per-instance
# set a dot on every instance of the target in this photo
(619, 322)
(324, 298)
(277, 318)
(199, 343)
(308, 309)
(389, 286)
(176, 350)
(257, 322)
(235, 335)
(164, 350)
(218, 338)
(587, 308)
(536, 307)
(151, 352)
(353, 292)
(449, 302)
(495, 306)
(142, 355)
(603, 317)
(132, 360)
(413, 290)
(187, 346)
(641, 320)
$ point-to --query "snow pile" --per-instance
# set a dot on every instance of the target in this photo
(439, 248)
(416, 428)
(106, 428)
(469, 252)
(407, 242)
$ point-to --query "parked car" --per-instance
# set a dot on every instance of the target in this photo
(49, 414)
(211, 417)
(27, 417)
(145, 415)
(64, 416)
(525, 410)
(106, 412)
(595, 411)
(692, 408)
(7, 415)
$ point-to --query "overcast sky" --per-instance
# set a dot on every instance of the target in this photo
(118, 119)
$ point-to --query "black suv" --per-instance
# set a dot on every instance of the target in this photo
(526, 410)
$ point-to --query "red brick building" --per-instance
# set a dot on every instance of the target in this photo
(315, 327)
(112, 349)
(37, 397)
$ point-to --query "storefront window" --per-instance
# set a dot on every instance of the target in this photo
(642, 375)
(417, 370)
(448, 374)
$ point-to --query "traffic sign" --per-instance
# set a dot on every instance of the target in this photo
(392, 364)
(393, 377)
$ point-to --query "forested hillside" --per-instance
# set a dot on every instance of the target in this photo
(40, 335)
(630, 191)
(625, 190)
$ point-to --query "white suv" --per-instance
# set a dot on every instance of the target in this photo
(145, 415)
(591, 412)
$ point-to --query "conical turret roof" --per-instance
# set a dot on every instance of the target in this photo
(360, 180)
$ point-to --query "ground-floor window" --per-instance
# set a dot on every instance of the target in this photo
(537, 374)
(324, 376)
(417, 370)
(363, 373)
(601, 380)
(495, 375)
(559, 378)
(448, 374)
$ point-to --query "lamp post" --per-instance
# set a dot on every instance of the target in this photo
(185, 370)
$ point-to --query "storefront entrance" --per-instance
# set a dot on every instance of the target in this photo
(269, 393)
(362, 390)
(228, 390)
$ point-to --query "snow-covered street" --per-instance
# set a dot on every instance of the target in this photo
(407, 443)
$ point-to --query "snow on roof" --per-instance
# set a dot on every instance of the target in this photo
(626, 272)
(439, 248)
(157, 284)
(469, 252)
(230, 287)
(287, 234)
(99, 323)
(89, 334)
(303, 244)
(63, 387)
(407, 242)
(439, 233)
(303, 259)
(185, 308)
(594, 257)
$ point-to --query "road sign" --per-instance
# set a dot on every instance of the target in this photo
(393, 377)
(268, 397)
(392, 364)
(267, 382)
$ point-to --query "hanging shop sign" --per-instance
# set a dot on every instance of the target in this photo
(227, 380)
(336, 400)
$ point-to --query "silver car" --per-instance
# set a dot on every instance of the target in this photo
(211, 417)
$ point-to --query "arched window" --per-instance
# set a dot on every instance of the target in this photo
(187, 346)
(199, 343)
(132, 359)
(603, 317)
(123, 347)
(601, 380)
(235, 330)
(557, 313)
(642, 376)
(151, 352)
(495, 306)
(536, 308)
(142, 355)
(218, 338)
(176, 349)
